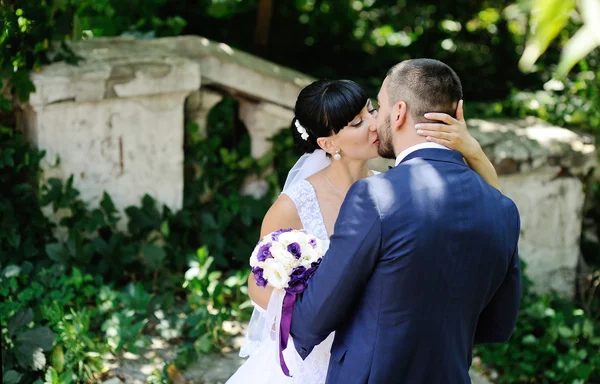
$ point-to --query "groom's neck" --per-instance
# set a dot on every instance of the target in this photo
(407, 138)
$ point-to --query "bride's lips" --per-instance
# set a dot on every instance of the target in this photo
(376, 141)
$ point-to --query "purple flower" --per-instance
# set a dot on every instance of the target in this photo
(298, 273)
(275, 235)
(313, 243)
(313, 268)
(258, 275)
(264, 252)
(294, 249)
(296, 286)
(297, 283)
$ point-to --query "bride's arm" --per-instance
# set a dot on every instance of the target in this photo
(453, 134)
(282, 214)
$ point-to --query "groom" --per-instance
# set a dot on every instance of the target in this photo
(423, 261)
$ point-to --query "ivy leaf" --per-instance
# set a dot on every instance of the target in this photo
(11, 377)
(19, 320)
(109, 208)
(204, 343)
(23, 84)
(51, 376)
(30, 356)
(57, 252)
(11, 271)
(41, 337)
(153, 255)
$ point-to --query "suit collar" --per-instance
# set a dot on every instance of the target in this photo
(410, 150)
(436, 154)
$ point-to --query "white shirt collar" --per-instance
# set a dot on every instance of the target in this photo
(410, 150)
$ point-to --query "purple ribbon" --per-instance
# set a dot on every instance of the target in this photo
(284, 331)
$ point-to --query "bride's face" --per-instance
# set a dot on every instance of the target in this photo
(358, 140)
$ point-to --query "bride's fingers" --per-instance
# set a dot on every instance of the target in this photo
(438, 141)
(460, 113)
(441, 117)
(436, 134)
(435, 127)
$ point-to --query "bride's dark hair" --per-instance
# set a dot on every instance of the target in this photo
(325, 107)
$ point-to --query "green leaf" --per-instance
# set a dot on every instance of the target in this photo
(164, 228)
(11, 271)
(154, 256)
(107, 204)
(51, 376)
(588, 328)
(204, 343)
(19, 320)
(578, 47)
(41, 337)
(529, 340)
(565, 332)
(11, 377)
(30, 356)
(548, 18)
(209, 221)
(57, 252)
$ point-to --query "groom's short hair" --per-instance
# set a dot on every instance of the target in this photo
(425, 85)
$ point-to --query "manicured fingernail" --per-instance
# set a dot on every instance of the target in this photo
(417, 126)
(428, 138)
(420, 131)
(427, 115)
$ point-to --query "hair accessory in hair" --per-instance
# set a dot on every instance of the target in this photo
(301, 130)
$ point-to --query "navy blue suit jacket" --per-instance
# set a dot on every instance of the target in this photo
(422, 264)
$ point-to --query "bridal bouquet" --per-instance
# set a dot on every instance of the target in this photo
(285, 259)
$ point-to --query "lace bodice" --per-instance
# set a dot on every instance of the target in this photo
(304, 196)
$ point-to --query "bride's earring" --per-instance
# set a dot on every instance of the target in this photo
(337, 155)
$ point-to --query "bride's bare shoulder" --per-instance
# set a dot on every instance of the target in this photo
(282, 214)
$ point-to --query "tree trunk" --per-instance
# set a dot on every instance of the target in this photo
(263, 24)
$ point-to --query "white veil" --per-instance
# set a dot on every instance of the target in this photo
(306, 166)
(261, 324)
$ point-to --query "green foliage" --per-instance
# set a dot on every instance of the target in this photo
(572, 102)
(548, 19)
(211, 301)
(85, 254)
(554, 342)
(24, 230)
(362, 39)
(216, 213)
(43, 326)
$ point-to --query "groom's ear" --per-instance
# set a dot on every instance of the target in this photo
(399, 114)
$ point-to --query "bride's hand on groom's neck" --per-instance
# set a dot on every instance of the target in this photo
(453, 133)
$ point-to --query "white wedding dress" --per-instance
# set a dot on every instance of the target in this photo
(262, 366)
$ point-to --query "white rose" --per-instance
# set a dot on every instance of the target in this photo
(287, 238)
(253, 258)
(284, 256)
(276, 273)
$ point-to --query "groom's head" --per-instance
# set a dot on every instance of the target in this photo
(411, 89)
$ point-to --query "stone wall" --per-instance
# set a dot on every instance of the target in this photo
(117, 123)
(541, 168)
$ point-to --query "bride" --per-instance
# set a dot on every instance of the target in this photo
(335, 125)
